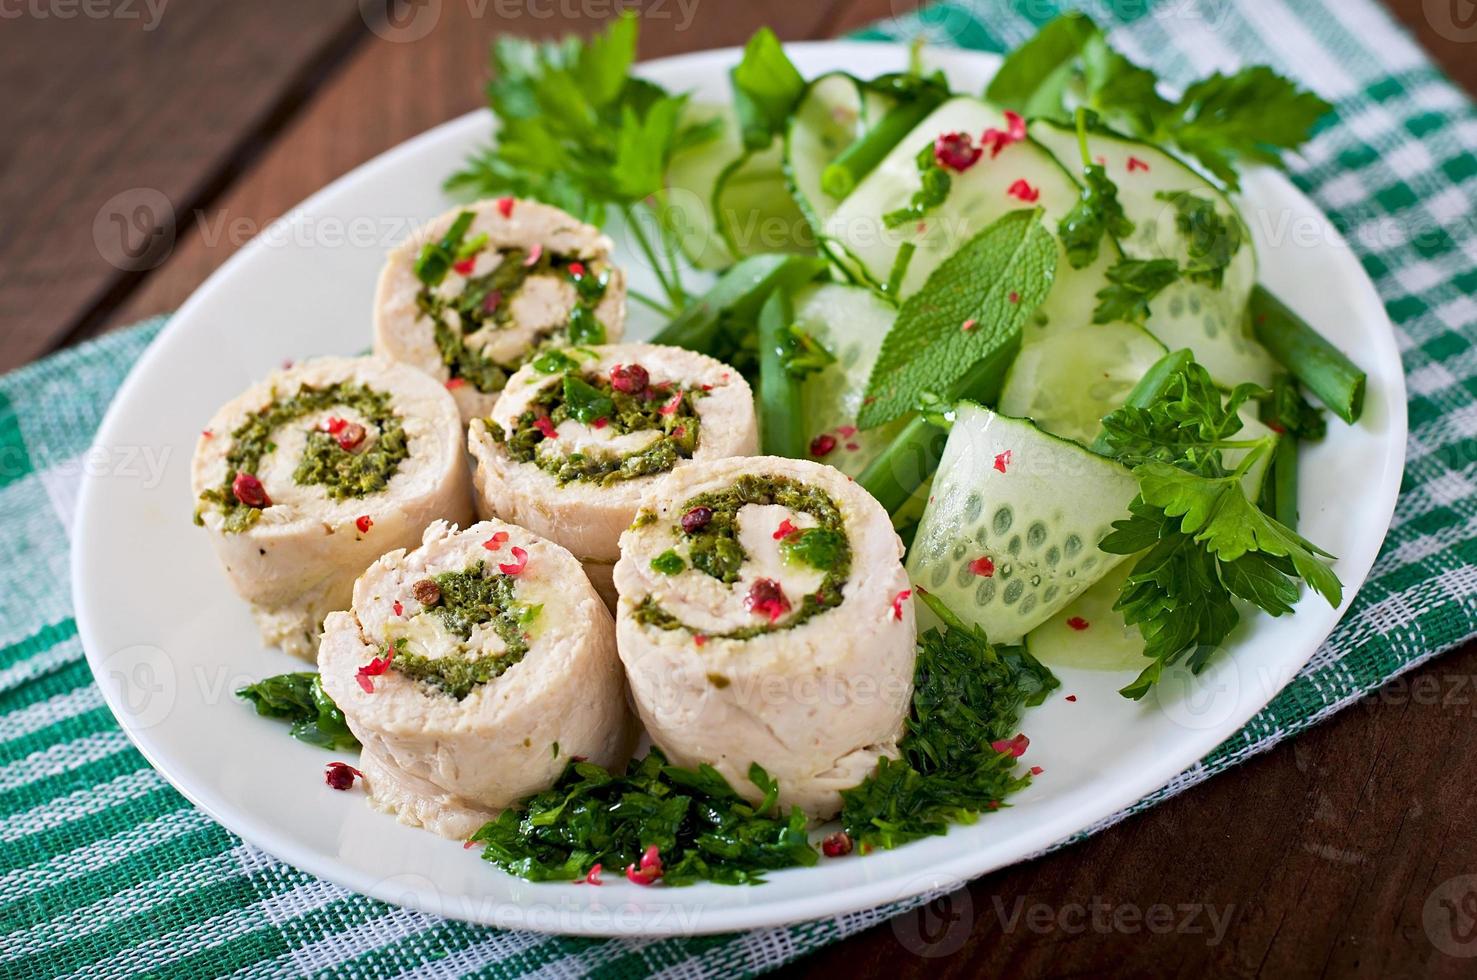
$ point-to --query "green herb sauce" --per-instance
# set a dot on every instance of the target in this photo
(715, 550)
(471, 598)
(589, 398)
(343, 473)
(471, 304)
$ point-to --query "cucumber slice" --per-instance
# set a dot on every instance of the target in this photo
(725, 205)
(835, 111)
(1068, 380)
(1213, 322)
(1090, 633)
(977, 197)
(850, 322)
(1036, 525)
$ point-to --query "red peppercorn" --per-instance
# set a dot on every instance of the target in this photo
(340, 775)
(350, 437)
(696, 519)
(650, 869)
(767, 598)
(822, 445)
(505, 206)
(364, 523)
(249, 490)
(956, 151)
(837, 845)
(629, 379)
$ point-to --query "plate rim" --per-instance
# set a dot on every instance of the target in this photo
(781, 911)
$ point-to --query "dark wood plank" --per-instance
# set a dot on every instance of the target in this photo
(1331, 855)
(113, 122)
(412, 86)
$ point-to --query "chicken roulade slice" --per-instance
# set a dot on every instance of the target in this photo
(581, 433)
(314, 473)
(474, 294)
(472, 670)
(765, 617)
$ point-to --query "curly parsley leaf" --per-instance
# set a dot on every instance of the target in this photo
(1132, 283)
(300, 699)
(1200, 542)
(972, 305)
(1250, 116)
(1222, 120)
(1212, 240)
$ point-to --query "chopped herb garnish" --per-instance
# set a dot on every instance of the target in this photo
(299, 698)
(966, 695)
(702, 829)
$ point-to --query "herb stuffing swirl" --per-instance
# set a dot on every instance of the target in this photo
(622, 403)
(708, 540)
(348, 459)
(485, 301)
(462, 601)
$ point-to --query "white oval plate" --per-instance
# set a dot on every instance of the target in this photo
(169, 642)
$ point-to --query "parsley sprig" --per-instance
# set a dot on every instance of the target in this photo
(1251, 116)
(577, 130)
(1201, 543)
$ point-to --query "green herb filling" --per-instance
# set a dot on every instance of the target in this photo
(486, 301)
(343, 473)
(588, 399)
(715, 551)
(471, 598)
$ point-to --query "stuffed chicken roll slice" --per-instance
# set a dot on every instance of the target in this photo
(581, 433)
(312, 474)
(472, 670)
(474, 294)
(765, 617)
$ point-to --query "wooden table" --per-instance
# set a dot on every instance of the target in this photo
(1318, 857)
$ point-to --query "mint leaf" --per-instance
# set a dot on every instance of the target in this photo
(766, 86)
(928, 347)
(1132, 283)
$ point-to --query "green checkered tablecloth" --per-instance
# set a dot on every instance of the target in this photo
(107, 871)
